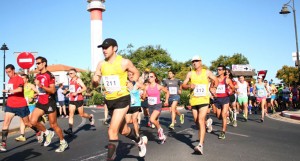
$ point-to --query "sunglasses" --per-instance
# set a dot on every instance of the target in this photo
(219, 69)
(38, 63)
(71, 73)
(196, 61)
(151, 76)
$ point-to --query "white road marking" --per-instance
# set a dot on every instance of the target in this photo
(232, 133)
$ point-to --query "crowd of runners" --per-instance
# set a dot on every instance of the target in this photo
(129, 94)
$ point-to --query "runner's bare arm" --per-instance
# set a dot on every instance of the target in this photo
(186, 81)
(97, 75)
(164, 89)
(128, 65)
(214, 82)
(145, 93)
(83, 87)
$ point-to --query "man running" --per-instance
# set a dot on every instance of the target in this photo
(113, 71)
(243, 91)
(174, 87)
(76, 100)
(16, 103)
(222, 98)
(200, 97)
(45, 81)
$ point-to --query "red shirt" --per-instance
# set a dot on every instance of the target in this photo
(45, 79)
(222, 89)
(74, 87)
(16, 100)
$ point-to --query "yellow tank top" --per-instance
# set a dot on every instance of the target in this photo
(200, 95)
(28, 92)
(114, 79)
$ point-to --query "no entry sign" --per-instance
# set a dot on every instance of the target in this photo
(25, 60)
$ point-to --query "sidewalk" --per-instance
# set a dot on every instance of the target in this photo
(291, 114)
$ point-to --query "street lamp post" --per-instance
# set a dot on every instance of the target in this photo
(285, 10)
(4, 48)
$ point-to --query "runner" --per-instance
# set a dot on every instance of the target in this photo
(232, 98)
(76, 89)
(200, 97)
(152, 91)
(61, 100)
(174, 87)
(16, 103)
(252, 100)
(114, 70)
(243, 92)
(274, 103)
(135, 106)
(261, 96)
(29, 94)
(222, 98)
(46, 104)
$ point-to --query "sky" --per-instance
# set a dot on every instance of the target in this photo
(60, 30)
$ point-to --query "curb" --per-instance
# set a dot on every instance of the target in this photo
(289, 115)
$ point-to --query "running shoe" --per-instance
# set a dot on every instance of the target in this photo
(199, 149)
(68, 132)
(160, 133)
(222, 135)
(3, 146)
(245, 118)
(228, 120)
(40, 136)
(20, 138)
(49, 138)
(209, 125)
(92, 120)
(171, 126)
(142, 146)
(261, 120)
(62, 147)
(152, 126)
(234, 123)
(105, 122)
(182, 118)
(163, 140)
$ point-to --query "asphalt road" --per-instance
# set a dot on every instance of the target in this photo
(272, 140)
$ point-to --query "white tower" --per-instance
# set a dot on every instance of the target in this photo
(96, 7)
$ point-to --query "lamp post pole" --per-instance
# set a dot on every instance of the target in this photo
(4, 48)
(285, 10)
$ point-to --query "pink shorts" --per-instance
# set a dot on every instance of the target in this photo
(259, 99)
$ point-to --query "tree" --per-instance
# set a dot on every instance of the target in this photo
(288, 74)
(149, 57)
(236, 58)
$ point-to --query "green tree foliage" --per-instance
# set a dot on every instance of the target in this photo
(288, 74)
(150, 57)
(236, 58)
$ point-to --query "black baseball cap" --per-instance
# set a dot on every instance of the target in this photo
(107, 43)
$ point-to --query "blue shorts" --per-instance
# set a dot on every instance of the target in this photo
(22, 111)
(31, 108)
(144, 103)
(273, 97)
(220, 101)
(173, 98)
(156, 107)
(61, 103)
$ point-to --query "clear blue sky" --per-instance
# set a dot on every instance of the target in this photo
(60, 29)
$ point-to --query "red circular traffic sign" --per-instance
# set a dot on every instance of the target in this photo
(25, 60)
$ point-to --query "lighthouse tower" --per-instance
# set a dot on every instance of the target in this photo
(96, 7)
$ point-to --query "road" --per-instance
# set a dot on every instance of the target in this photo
(272, 140)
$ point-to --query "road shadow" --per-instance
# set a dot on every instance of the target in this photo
(124, 149)
(86, 127)
(27, 154)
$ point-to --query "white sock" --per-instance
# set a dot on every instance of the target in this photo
(47, 132)
(62, 141)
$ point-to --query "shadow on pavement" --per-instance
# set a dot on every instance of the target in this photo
(24, 155)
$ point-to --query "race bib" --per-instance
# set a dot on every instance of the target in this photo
(152, 100)
(112, 83)
(221, 88)
(72, 88)
(9, 87)
(173, 90)
(261, 93)
(200, 90)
